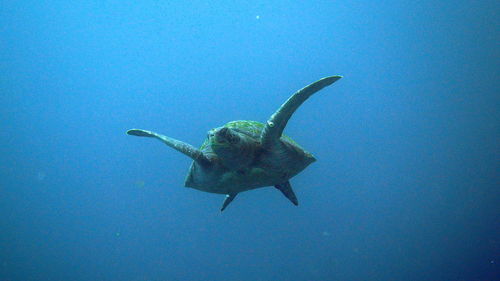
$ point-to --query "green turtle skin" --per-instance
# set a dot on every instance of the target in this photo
(244, 155)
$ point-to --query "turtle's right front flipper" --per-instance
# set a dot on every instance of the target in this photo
(185, 148)
(276, 124)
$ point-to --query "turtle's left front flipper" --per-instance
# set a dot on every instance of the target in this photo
(185, 148)
(287, 190)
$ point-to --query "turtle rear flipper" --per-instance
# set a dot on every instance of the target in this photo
(228, 199)
(185, 148)
(276, 124)
(287, 190)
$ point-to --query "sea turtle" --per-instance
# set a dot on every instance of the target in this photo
(244, 155)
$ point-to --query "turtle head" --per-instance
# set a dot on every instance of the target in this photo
(224, 140)
(230, 146)
(228, 137)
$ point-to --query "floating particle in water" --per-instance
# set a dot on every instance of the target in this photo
(40, 176)
(140, 184)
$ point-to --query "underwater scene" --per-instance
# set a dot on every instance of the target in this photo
(249, 140)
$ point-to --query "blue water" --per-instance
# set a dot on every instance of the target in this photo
(406, 186)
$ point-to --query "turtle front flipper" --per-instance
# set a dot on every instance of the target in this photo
(276, 124)
(185, 148)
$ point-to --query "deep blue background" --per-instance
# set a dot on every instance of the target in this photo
(406, 186)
